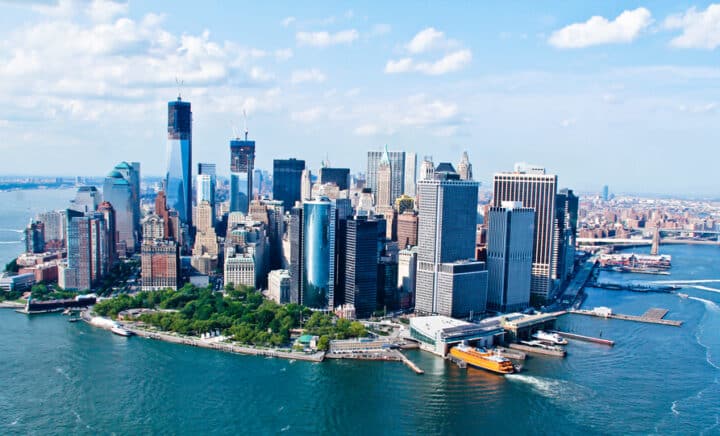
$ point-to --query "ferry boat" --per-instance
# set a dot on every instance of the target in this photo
(553, 338)
(543, 345)
(483, 359)
(120, 331)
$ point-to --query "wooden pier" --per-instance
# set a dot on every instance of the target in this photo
(410, 363)
(652, 316)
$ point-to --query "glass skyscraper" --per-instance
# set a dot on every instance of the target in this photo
(318, 254)
(397, 169)
(242, 164)
(287, 174)
(178, 184)
(205, 185)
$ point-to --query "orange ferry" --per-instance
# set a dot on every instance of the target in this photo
(481, 358)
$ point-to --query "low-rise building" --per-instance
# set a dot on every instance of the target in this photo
(437, 334)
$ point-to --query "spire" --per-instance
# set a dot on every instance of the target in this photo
(385, 157)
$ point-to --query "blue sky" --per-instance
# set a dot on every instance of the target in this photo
(622, 93)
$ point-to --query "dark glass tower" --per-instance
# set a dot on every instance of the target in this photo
(287, 174)
(361, 265)
(338, 176)
(178, 185)
(242, 164)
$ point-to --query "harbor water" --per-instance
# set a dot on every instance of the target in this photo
(70, 378)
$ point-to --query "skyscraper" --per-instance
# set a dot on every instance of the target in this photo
(509, 256)
(533, 188)
(605, 193)
(338, 176)
(318, 254)
(160, 268)
(242, 164)
(87, 199)
(449, 281)
(89, 251)
(361, 265)
(407, 229)
(566, 216)
(35, 237)
(465, 167)
(306, 185)
(407, 267)
(205, 185)
(397, 169)
(119, 193)
(287, 177)
(427, 168)
(295, 233)
(178, 184)
(384, 182)
(410, 174)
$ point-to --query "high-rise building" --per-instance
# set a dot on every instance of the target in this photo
(87, 199)
(279, 286)
(337, 176)
(153, 227)
(407, 229)
(54, 227)
(566, 216)
(242, 165)
(387, 289)
(35, 237)
(287, 181)
(509, 256)
(410, 174)
(160, 265)
(318, 254)
(276, 230)
(161, 210)
(108, 212)
(404, 203)
(89, 252)
(449, 281)
(239, 269)
(384, 182)
(427, 168)
(465, 167)
(407, 267)
(605, 193)
(397, 169)
(306, 185)
(118, 192)
(178, 183)
(361, 265)
(295, 233)
(532, 187)
(206, 184)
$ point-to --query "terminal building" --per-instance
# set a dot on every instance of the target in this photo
(437, 334)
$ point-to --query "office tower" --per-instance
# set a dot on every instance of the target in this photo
(108, 212)
(54, 227)
(343, 212)
(89, 251)
(203, 217)
(449, 281)
(534, 189)
(258, 180)
(178, 184)
(384, 182)
(410, 174)
(427, 168)
(387, 290)
(276, 230)
(329, 190)
(319, 254)
(247, 239)
(35, 237)
(509, 256)
(465, 167)
(118, 192)
(130, 171)
(153, 227)
(295, 234)
(306, 185)
(160, 265)
(338, 176)
(605, 193)
(206, 186)
(205, 251)
(242, 164)
(397, 169)
(161, 210)
(287, 181)
(407, 267)
(87, 199)
(407, 229)
(404, 203)
(566, 216)
(279, 286)
(361, 265)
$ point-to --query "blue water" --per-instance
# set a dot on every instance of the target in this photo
(60, 378)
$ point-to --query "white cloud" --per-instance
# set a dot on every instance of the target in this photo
(380, 29)
(568, 122)
(449, 63)
(307, 116)
(325, 39)
(699, 29)
(599, 30)
(104, 10)
(421, 112)
(699, 108)
(366, 130)
(260, 75)
(312, 75)
(426, 40)
(287, 21)
(283, 54)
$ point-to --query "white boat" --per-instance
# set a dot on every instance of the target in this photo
(119, 330)
(553, 338)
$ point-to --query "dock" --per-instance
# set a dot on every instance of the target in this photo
(511, 354)
(577, 337)
(410, 363)
(650, 317)
(536, 350)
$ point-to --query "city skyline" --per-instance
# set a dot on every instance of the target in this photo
(428, 80)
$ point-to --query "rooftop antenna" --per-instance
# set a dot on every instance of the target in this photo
(179, 83)
(246, 129)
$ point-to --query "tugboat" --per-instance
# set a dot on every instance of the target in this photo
(483, 359)
(552, 338)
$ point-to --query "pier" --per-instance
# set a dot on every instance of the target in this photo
(536, 350)
(409, 363)
(650, 317)
(577, 337)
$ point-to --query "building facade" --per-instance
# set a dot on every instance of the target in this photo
(361, 265)
(318, 254)
(338, 176)
(287, 181)
(160, 265)
(410, 174)
(242, 165)
(178, 183)
(397, 168)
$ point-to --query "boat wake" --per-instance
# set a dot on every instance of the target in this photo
(11, 230)
(551, 388)
(62, 371)
(10, 242)
(284, 429)
(705, 288)
(684, 282)
(711, 307)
